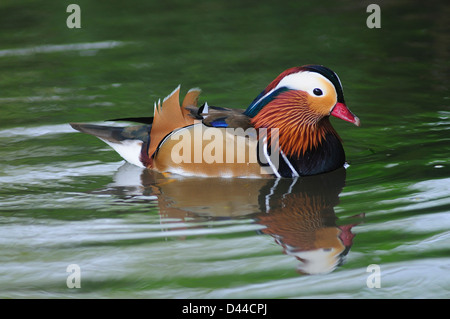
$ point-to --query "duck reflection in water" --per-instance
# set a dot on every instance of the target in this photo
(302, 220)
(299, 214)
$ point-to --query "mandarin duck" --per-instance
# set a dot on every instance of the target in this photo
(284, 132)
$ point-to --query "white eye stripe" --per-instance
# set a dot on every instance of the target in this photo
(305, 81)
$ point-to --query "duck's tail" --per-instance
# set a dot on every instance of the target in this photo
(130, 142)
(137, 144)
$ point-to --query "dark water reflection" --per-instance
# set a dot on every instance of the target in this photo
(299, 214)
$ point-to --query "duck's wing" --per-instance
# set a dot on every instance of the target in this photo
(215, 116)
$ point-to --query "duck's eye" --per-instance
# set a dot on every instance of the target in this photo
(317, 92)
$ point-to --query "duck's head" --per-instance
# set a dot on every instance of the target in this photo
(314, 89)
(298, 103)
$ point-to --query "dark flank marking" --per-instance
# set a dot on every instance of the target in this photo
(143, 120)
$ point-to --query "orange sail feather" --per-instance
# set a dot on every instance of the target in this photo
(170, 116)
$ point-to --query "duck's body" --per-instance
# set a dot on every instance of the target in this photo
(285, 132)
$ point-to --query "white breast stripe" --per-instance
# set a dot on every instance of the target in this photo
(266, 155)
(294, 172)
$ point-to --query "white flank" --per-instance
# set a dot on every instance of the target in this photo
(130, 150)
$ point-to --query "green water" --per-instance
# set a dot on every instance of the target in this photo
(67, 198)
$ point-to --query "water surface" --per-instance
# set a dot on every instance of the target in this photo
(67, 198)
